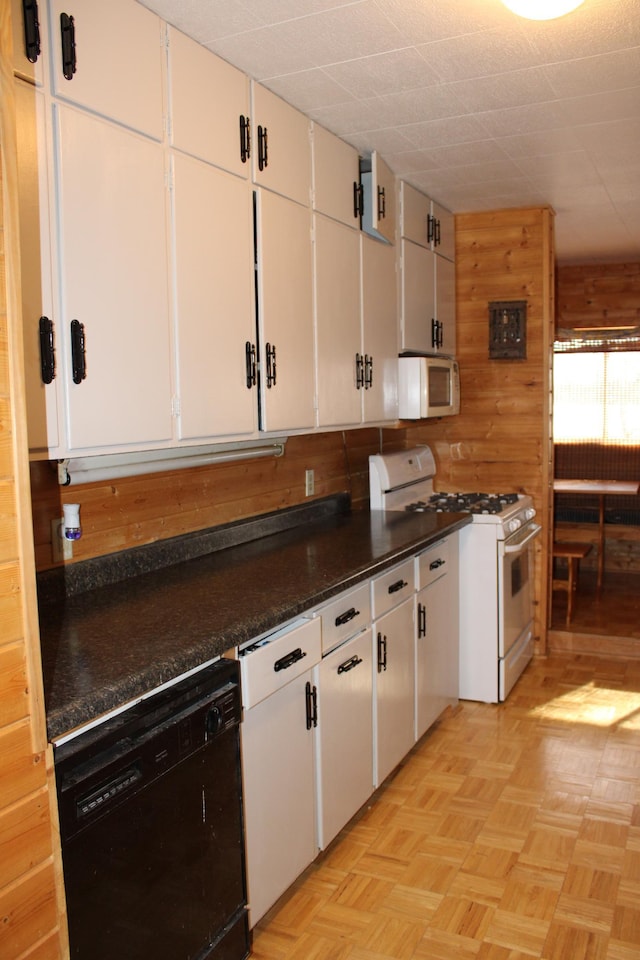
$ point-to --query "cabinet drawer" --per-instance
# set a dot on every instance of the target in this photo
(433, 563)
(274, 660)
(389, 589)
(345, 616)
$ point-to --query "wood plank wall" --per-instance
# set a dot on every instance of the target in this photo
(599, 295)
(501, 440)
(119, 514)
(30, 915)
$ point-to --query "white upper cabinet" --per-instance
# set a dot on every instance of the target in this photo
(442, 232)
(336, 177)
(107, 57)
(42, 354)
(280, 146)
(285, 312)
(415, 211)
(208, 106)
(379, 198)
(340, 360)
(379, 331)
(214, 297)
(114, 313)
(427, 278)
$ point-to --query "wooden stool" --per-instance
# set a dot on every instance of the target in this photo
(573, 553)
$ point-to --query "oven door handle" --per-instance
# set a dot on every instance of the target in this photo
(518, 543)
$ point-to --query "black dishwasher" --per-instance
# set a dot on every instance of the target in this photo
(150, 808)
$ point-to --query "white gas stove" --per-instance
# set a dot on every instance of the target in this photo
(496, 567)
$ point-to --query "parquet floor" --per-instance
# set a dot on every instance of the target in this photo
(615, 611)
(509, 832)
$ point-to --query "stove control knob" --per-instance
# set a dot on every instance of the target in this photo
(514, 525)
(530, 513)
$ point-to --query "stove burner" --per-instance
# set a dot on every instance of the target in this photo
(464, 503)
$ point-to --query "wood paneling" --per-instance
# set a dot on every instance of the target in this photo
(501, 440)
(600, 295)
(29, 894)
(129, 512)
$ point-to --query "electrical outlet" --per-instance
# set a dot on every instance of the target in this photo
(61, 548)
(309, 483)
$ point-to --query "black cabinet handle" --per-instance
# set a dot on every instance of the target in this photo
(436, 237)
(422, 620)
(47, 351)
(271, 365)
(398, 585)
(437, 333)
(31, 30)
(289, 659)
(78, 352)
(311, 695)
(347, 616)
(430, 228)
(368, 371)
(382, 653)
(382, 204)
(250, 363)
(437, 563)
(245, 138)
(358, 200)
(359, 371)
(263, 148)
(68, 37)
(350, 664)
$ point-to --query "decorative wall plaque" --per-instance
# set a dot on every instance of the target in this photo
(508, 330)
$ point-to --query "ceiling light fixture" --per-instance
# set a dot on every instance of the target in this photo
(542, 9)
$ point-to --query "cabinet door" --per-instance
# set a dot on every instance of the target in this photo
(379, 330)
(394, 679)
(118, 61)
(379, 215)
(214, 300)
(114, 269)
(432, 639)
(446, 303)
(444, 241)
(336, 177)
(35, 254)
(345, 730)
(281, 148)
(209, 105)
(415, 210)
(285, 309)
(340, 363)
(417, 269)
(279, 788)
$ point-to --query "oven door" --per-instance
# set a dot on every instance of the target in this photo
(515, 574)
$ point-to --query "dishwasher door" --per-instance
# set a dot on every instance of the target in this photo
(152, 830)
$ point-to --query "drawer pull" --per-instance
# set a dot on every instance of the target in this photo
(347, 616)
(349, 664)
(289, 659)
(398, 585)
(436, 563)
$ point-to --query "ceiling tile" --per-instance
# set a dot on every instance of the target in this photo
(384, 73)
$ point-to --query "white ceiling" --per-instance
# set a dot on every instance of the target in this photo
(471, 104)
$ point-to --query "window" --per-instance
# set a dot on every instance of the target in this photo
(596, 397)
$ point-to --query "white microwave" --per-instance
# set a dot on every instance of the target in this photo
(428, 387)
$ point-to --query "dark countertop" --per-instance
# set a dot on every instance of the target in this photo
(109, 645)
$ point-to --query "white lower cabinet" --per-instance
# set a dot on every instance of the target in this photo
(321, 733)
(393, 605)
(436, 632)
(345, 735)
(277, 736)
